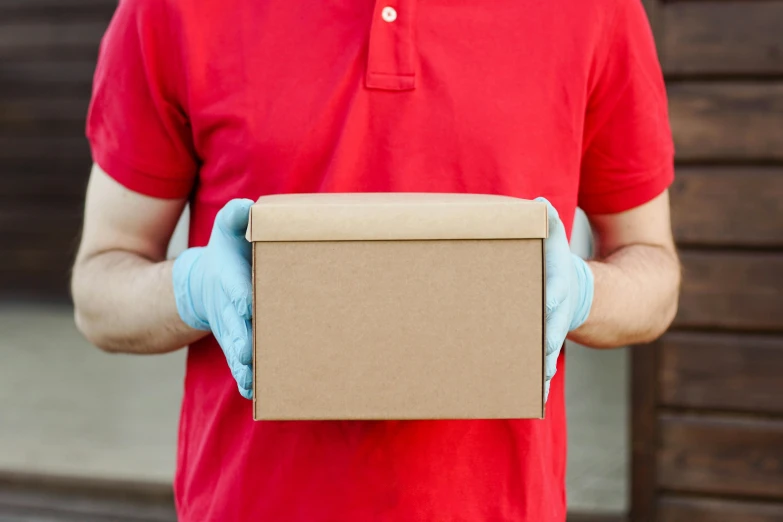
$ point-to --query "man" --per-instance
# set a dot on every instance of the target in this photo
(218, 102)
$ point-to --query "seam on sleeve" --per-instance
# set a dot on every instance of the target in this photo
(647, 185)
(143, 181)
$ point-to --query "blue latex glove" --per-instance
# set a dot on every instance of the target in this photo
(569, 292)
(213, 290)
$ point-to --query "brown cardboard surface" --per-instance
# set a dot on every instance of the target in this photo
(399, 330)
(398, 216)
(446, 328)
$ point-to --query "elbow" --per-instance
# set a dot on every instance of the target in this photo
(87, 322)
(83, 325)
(89, 329)
(670, 314)
(659, 327)
(670, 308)
(664, 318)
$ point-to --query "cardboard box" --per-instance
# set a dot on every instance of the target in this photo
(398, 306)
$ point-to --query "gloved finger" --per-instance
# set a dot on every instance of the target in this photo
(238, 287)
(234, 334)
(243, 375)
(231, 225)
(550, 365)
(554, 223)
(556, 329)
(228, 234)
(557, 289)
(232, 219)
(246, 393)
(557, 255)
(546, 391)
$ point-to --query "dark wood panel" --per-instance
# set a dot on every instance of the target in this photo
(45, 178)
(39, 245)
(718, 37)
(48, 50)
(37, 498)
(9, 6)
(38, 39)
(44, 260)
(41, 270)
(721, 456)
(51, 183)
(29, 222)
(44, 150)
(55, 9)
(674, 509)
(57, 115)
(44, 78)
(644, 364)
(722, 371)
(595, 517)
(731, 290)
(727, 120)
(653, 9)
(731, 206)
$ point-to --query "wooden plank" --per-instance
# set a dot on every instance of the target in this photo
(34, 286)
(37, 271)
(44, 149)
(43, 78)
(721, 456)
(57, 115)
(38, 223)
(653, 10)
(40, 240)
(39, 39)
(9, 6)
(44, 179)
(41, 498)
(731, 290)
(50, 183)
(679, 509)
(55, 9)
(727, 120)
(39, 244)
(39, 260)
(643, 381)
(728, 206)
(595, 517)
(721, 371)
(721, 37)
(644, 423)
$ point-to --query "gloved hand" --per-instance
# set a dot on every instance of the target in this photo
(213, 290)
(569, 292)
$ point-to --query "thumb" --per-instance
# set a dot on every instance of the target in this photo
(233, 217)
(555, 225)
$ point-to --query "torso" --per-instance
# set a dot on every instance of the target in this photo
(279, 101)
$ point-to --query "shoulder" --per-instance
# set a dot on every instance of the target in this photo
(600, 17)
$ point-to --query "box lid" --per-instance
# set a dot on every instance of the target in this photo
(394, 216)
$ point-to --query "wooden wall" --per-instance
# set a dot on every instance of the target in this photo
(708, 397)
(48, 50)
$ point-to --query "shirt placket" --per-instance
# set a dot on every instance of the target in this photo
(391, 60)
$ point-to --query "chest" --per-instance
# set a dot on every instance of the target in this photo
(348, 95)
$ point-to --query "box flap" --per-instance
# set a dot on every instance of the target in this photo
(394, 216)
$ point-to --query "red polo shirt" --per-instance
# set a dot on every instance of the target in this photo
(217, 99)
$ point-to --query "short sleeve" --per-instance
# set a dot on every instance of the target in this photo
(628, 154)
(137, 124)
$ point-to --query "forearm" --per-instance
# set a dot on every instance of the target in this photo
(635, 299)
(125, 303)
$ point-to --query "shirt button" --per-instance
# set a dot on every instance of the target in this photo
(389, 14)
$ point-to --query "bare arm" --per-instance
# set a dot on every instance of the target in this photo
(122, 284)
(637, 277)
